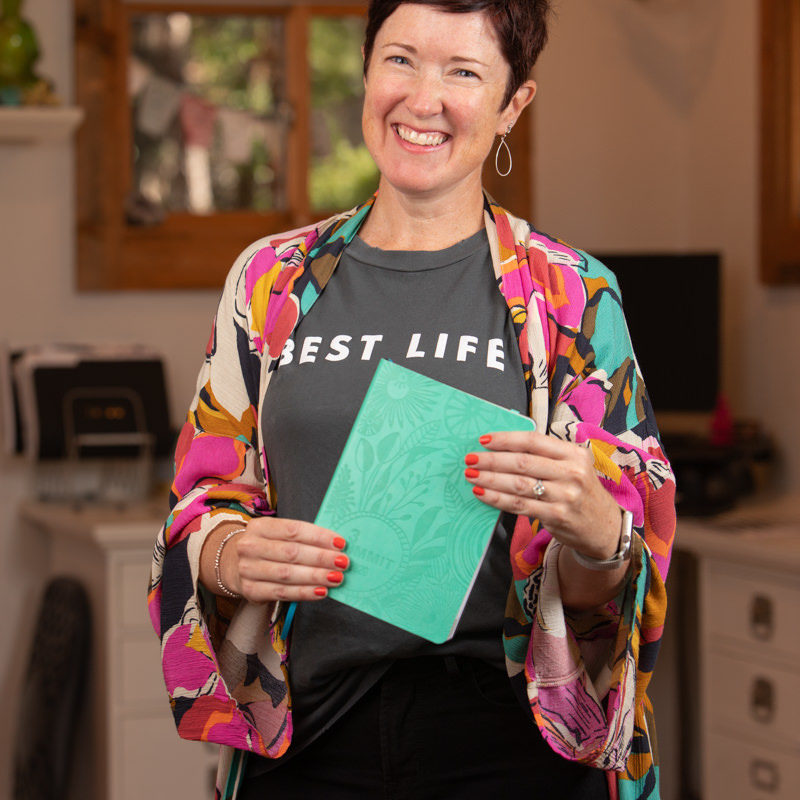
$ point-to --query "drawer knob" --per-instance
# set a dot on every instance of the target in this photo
(762, 700)
(761, 617)
(764, 775)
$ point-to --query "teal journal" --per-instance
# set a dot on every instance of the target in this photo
(416, 535)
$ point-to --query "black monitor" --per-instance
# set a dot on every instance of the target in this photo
(672, 302)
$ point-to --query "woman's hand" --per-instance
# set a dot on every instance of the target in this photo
(541, 476)
(554, 481)
(274, 559)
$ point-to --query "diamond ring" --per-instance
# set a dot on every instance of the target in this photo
(538, 489)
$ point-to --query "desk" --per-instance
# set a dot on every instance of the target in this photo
(130, 749)
(748, 616)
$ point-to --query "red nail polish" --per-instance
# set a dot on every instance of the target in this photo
(341, 561)
(478, 490)
(471, 459)
(485, 439)
(335, 577)
(339, 543)
(320, 591)
(471, 473)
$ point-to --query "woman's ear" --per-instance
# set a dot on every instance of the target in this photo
(521, 98)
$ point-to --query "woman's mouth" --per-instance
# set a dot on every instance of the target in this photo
(422, 138)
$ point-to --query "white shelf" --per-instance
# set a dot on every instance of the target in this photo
(34, 124)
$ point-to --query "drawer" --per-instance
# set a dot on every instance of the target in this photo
(736, 770)
(758, 701)
(139, 669)
(151, 761)
(131, 574)
(754, 607)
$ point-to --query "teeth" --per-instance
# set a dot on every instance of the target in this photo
(425, 139)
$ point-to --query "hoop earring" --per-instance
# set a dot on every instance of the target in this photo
(508, 150)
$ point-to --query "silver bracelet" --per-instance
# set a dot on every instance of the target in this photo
(623, 550)
(222, 587)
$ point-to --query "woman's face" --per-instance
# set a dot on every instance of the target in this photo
(432, 103)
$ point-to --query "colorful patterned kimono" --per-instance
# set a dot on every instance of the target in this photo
(226, 662)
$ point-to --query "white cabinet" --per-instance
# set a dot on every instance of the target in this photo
(749, 640)
(129, 748)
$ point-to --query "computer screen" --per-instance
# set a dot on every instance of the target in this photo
(672, 304)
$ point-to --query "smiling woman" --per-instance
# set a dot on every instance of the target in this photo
(540, 691)
(434, 104)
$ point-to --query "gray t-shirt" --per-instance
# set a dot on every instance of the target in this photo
(439, 313)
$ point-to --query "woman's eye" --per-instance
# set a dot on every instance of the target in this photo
(398, 59)
(466, 73)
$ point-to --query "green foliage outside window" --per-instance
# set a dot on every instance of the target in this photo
(238, 65)
(342, 172)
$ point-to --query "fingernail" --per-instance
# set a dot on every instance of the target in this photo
(471, 459)
(335, 577)
(320, 591)
(485, 439)
(478, 490)
(341, 561)
(471, 473)
(339, 543)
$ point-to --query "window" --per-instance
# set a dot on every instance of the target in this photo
(210, 115)
(780, 141)
(209, 125)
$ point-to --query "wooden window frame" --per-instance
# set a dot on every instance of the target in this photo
(780, 142)
(189, 251)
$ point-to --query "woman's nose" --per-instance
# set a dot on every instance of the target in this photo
(425, 97)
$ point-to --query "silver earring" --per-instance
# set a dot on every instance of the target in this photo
(497, 154)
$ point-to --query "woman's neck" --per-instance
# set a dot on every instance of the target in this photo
(399, 222)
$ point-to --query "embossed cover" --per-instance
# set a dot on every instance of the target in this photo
(416, 535)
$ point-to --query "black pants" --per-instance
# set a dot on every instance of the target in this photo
(431, 729)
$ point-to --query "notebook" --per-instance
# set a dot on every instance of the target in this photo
(416, 535)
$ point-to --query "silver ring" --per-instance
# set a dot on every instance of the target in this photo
(538, 488)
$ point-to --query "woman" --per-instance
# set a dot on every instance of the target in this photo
(542, 688)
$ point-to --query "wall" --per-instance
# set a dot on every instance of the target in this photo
(646, 133)
(761, 324)
(647, 136)
(610, 146)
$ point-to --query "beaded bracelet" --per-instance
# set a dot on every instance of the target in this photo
(222, 587)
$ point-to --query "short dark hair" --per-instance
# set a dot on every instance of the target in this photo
(520, 25)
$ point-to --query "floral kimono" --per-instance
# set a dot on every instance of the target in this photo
(225, 662)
